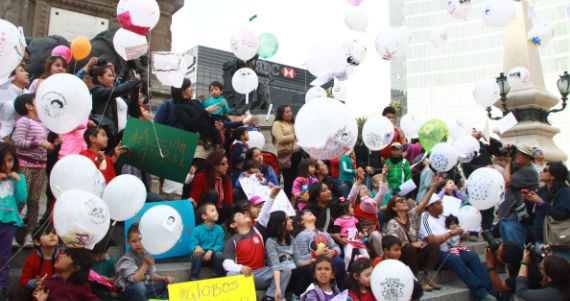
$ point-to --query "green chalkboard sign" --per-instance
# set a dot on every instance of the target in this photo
(177, 148)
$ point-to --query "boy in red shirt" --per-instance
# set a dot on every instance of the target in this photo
(392, 247)
(244, 252)
(96, 139)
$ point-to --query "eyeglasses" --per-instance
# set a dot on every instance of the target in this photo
(401, 200)
(537, 151)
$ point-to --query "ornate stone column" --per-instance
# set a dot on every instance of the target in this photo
(531, 103)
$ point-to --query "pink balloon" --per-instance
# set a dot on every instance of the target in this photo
(355, 2)
(62, 51)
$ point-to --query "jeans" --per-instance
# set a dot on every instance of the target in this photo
(7, 232)
(345, 187)
(216, 260)
(513, 231)
(102, 292)
(468, 267)
(263, 278)
(141, 292)
(368, 181)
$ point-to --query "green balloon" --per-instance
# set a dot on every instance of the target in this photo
(268, 45)
(432, 133)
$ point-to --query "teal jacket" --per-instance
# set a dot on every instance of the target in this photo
(12, 193)
(221, 102)
(346, 173)
(208, 238)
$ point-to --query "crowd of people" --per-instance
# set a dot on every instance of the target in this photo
(350, 212)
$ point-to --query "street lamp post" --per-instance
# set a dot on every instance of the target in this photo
(504, 89)
(564, 89)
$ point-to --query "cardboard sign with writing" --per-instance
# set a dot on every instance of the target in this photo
(177, 148)
(251, 187)
(186, 211)
(226, 288)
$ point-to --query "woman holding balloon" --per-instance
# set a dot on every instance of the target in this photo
(289, 154)
(404, 223)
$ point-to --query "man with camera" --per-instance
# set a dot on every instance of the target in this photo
(519, 174)
(509, 254)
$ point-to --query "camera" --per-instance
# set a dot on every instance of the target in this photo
(101, 61)
(492, 243)
(509, 152)
(536, 254)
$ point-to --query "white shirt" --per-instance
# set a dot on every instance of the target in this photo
(8, 115)
(122, 108)
(430, 225)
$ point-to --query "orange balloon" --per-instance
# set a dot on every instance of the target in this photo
(80, 48)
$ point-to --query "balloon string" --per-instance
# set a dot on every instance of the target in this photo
(148, 95)
(75, 67)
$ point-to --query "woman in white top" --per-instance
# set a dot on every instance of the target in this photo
(467, 265)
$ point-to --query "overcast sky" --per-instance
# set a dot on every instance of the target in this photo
(299, 25)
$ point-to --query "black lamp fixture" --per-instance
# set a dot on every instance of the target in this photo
(564, 89)
(504, 89)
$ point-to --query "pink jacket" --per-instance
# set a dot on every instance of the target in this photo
(73, 142)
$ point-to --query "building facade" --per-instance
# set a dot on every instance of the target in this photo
(286, 85)
(439, 81)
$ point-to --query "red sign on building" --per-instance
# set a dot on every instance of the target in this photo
(288, 72)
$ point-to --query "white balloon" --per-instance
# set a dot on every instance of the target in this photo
(467, 148)
(143, 13)
(392, 280)
(459, 9)
(391, 43)
(244, 80)
(129, 45)
(485, 187)
(541, 34)
(244, 44)
(256, 139)
(63, 102)
(160, 228)
(406, 32)
(125, 196)
(76, 172)
(356, 18)
(340, 90)
(469, 219)
(410, 125)
(12, 50)
(377, 133)
(438, 36)
(315, 92)
(486, 92)
(355, 52)
(518, 77)
(80, 218)
(321, 119)
(459, 128)
(443, 157)
(326, 60)
(498, 13)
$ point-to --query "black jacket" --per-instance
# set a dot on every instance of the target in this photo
(194, 118)
(100, 95)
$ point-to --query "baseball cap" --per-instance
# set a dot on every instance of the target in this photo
(434, 198)
(396, 145)
(256, 200)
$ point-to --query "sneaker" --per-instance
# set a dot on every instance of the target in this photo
(488, 297)
(28, 242)
(15, 243)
